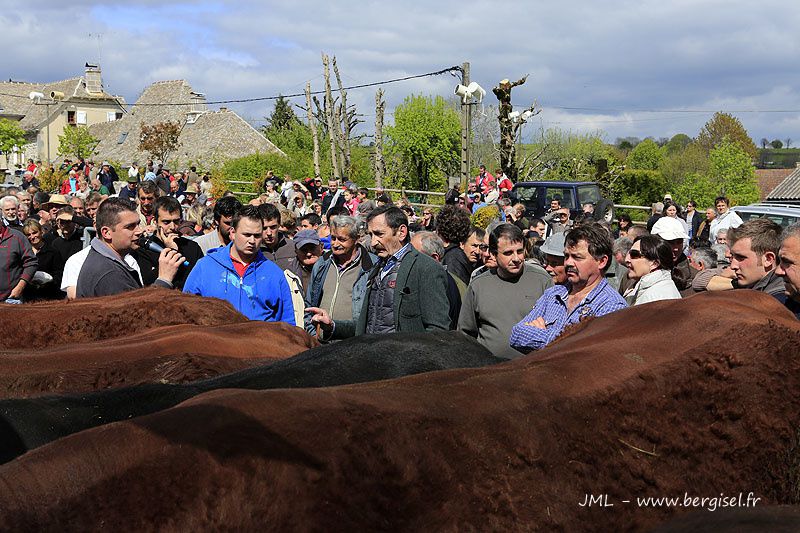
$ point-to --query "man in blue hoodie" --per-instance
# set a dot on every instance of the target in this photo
(240, 274)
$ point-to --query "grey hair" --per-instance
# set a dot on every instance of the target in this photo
(706, 256)
(791, 231)
(9, 198)
(720, 250)
(431, 243)
(658, 207)
(492, 225)
(346, 222)
(622, 246)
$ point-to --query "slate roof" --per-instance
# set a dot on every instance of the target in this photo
(789, 188)
(213, 138)
(14, 99)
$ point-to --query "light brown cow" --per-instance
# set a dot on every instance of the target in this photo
(699, 396)
(39, 325)
(171, 354)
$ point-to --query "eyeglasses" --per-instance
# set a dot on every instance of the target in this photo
(635, 254)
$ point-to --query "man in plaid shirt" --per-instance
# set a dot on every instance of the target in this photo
(587, 255)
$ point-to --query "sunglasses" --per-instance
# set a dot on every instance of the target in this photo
(635, 254)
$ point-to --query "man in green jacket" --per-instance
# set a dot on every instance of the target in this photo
(406, 291)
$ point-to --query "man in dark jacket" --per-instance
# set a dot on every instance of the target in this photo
(407, 291)
(754, 248)
(276, 246)
(17, 263)
(168, 217)
(104, 272)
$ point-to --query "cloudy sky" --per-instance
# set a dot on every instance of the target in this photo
(627, 68)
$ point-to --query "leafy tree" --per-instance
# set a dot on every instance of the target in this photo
(677, 143)
(678, 166)
(788, 142)
(777, 144)
(282, 117)
(646, 156)
(732, 173)
(160, 139)
(724, 125)
(764, 143)
(698, 187)
(76, 141)
(640, 187)
(425, 141)
(11, 135)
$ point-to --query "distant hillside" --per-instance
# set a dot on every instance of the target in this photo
(783, 158)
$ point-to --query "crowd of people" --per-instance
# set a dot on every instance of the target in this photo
(338, 263)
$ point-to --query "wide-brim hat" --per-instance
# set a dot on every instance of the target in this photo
(56, 200)
(554, 244)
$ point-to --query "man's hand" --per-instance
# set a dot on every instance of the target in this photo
(321, 318)
(16, 292)
(537, 323)
(168, 263)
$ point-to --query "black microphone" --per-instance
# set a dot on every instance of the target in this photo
(147, 242)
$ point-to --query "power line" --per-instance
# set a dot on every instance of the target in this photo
(295, 95)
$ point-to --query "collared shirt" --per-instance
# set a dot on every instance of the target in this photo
(552, 306)
(395, 258)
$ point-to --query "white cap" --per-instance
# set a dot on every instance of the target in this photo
(669, 229)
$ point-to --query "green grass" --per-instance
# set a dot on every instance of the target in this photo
(783, 158)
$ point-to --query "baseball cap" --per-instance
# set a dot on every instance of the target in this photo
(554, 245)
(669, 229)
(305, 236)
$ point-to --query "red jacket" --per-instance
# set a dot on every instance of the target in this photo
(65, 187)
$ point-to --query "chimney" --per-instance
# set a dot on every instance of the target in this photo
(223, 109)
(94, 81)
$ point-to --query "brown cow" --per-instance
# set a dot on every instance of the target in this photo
(171, 354)
(699, 396)
(40, 325)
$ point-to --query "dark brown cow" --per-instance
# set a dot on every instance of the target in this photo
(40, 325)
(171, 354)
(699, 396)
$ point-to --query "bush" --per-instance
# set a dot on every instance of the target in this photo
(485, 216)
(50, 179)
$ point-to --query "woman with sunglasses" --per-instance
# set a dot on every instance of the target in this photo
(650, 263)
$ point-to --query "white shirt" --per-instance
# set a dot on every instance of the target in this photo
(72, 268)
(729, 220)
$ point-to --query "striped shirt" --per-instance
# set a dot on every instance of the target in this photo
(552, 306)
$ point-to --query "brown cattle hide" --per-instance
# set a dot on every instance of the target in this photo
(44, 324)
(170, 354)
(699, 396)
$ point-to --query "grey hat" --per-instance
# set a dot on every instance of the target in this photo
(305, 236)
(554, 245)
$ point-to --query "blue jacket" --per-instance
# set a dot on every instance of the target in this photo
(320, 271)
(262, 294)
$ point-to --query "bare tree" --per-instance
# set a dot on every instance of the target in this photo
(510, 126)
(312, 124)
(329, 117)
(342, 119)
(380, 164)
(788, 142)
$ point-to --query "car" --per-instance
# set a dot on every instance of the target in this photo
(783, 214)
(536, 197)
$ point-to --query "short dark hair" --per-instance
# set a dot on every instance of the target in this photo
(364, 191)
(654, 248)
(226, 207)
(508, 231)
(109, 210)
(719, 199)
(168, 204)
(312, 218)
(479, 233)
(597, 240)
(764, 235)
(336, 211)
(248, 211)
(395, 217)
(453, 224)
(148, 187)
(268, 211)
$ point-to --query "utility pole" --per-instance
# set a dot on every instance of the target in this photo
(466, 127)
